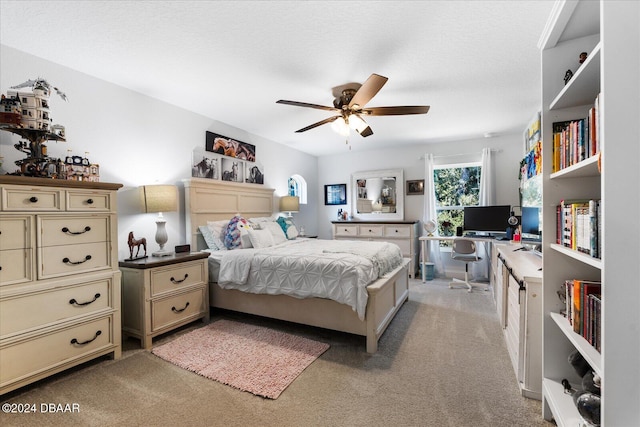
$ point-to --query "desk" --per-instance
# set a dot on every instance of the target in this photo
(424, 239)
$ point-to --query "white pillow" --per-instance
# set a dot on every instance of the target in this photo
(276, 232)
(261, 238)
(208, 237)
(261, 219)
(218, 230)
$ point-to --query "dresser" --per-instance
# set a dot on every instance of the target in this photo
(402, 233)
(160, 294)
(59, 279)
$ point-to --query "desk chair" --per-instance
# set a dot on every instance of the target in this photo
(465, 250)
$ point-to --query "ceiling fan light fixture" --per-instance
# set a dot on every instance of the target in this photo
(355, 122)
(340, 126)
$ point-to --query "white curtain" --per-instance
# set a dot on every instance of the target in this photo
(487, 197)
(433, 246)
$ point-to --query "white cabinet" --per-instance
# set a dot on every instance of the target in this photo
(59, 279)
(402, 233)
(518, 288)
(609, 32)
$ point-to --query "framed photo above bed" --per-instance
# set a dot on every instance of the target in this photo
(335, 194)
(205, 165)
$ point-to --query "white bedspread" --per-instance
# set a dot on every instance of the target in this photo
(336, 269)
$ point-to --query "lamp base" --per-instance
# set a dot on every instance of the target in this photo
(162, 253)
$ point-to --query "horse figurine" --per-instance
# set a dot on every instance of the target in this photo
(136, 243)
(231, 175)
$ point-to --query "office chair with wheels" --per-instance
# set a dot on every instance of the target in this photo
(465, 250)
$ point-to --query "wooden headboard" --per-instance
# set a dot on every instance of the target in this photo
(213, 200)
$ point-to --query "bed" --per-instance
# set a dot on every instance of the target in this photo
(209, 200)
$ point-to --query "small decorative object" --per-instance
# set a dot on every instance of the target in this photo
(588, 405)
(136, 243)
(583, 57)
(567, 76)
(446, 228)
(160, 198)
(335, 194)
(415, 187)
(430, 226)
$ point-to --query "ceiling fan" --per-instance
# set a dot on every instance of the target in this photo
(350, 106)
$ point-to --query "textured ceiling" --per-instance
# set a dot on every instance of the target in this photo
(475, 63)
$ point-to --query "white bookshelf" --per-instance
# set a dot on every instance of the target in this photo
(608, 31)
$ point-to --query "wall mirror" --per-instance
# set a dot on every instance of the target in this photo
(378, 195)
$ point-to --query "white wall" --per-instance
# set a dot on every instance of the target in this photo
(338, 168)
(138, 140)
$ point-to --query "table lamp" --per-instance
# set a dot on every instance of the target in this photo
(160, 198)
(289, 204)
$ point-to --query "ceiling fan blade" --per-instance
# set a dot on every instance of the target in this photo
(306, 104)
(395, 111)
(320, 123)
(368, 90)
(366, 132)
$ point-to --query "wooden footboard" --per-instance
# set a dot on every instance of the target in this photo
(386, 296)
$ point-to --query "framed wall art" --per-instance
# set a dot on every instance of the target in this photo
(205, 165)
(335, 194)
(415, 187)
(229, 147)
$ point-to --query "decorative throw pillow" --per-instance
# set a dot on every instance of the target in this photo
(218, 230)
(232, 237)
(276, 232)
(261, 238)
(288, 227)
(207, 235)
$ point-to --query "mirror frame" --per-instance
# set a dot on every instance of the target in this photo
(398, 215)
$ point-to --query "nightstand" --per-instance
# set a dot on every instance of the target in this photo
(161, 294)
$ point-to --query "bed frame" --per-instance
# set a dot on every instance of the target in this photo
(211, 200)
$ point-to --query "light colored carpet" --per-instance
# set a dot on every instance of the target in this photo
(251, 358)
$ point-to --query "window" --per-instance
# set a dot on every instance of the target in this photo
(456, 186)
(297, 186)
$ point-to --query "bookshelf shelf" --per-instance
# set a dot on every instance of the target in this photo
(584, 258)
(561, 404)
(586, 168)
(584, 86)
(590, 354)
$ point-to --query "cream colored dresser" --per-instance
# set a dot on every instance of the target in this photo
(162, 293)
(59, 278)
(402, 233)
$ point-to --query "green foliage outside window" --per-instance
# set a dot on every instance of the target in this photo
(456, 187)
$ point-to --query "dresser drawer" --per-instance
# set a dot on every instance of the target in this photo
(16, 266)
(176, 277)
(402, 231)
(33, 356)
(346, 230)
(72, 259)
(72, 230)
(44, 308)
(370, 230)
(169, 311)
(31, 199)
(15, 232)
(88, 201)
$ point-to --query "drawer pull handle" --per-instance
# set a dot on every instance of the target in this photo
(180, 310)
(179, 281)
(72, 301)
(75, 341)
(89, 201)
(66, 230)
(33, 199)
(67, 261)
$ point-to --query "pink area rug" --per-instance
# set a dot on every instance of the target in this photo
(250, 358)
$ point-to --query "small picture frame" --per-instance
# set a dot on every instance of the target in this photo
(205, 165)
(415, 187)
(335, 194)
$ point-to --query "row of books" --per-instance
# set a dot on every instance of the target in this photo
(579, 226)
(576, 140)
(583, 309)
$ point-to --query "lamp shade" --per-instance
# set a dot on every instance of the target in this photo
(289, 204)
(159, 198)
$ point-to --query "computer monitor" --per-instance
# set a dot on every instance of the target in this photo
(531, 229)
(486, 219)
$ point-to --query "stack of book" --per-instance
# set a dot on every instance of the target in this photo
(579, 226)
(583, 309)
(576, 140)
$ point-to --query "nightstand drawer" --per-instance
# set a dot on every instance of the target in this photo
(52, 350)
(44, 308)
(176, 277)
(31, 199)
(348, 230)
(370, 230)
(15, 232)
(169, 311)
(73, 230)
(73, 259)
(397, 231)
(16, 266)
(88, 201)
